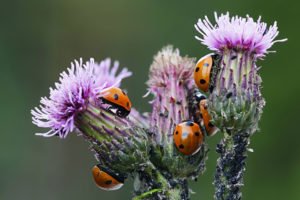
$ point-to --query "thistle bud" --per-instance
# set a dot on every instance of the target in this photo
(170, 82)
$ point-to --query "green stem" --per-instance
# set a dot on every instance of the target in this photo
(151, 184)
(147, 194)
(231, 166)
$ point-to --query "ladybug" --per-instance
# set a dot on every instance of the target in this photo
(203, 72)
(117, 99)
(209, 127)
(188, 137)
(105, 179)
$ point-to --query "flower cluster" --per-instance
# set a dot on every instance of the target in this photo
(191, 101)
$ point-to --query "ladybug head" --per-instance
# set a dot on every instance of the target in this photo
(199, 96)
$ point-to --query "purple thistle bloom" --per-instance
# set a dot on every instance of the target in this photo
(237, 33)
(77, 86)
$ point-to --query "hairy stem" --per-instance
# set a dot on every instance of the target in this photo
(231, 166)
(148, 194)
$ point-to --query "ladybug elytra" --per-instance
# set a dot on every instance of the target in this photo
(106, 180)
(188, 137)
(117, 99)
(209, 127)
(203, 72)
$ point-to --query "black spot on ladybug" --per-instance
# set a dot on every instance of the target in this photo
(108, 182)
(189, 123)
(197, 69)
(233, 57)
(197, 134)
(176, 132)
(181, 146)
(202, 81)
(228, 95)
(116, 96)
(210, 124)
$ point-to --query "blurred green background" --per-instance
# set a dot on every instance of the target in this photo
(38, 40)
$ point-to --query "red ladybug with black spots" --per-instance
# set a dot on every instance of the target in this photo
(117, 99)
(188, 137)
(105, 179)
(203, 113)
(203, 71)
(209, 127)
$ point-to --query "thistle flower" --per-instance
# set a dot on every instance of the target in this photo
(236, 102)
(79, 86)
(170, 82)
(237, 33)
(74, 104)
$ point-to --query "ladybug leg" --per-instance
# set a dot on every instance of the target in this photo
(122, 113)
(102, 100)
(110, 108)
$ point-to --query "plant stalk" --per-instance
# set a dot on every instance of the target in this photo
(231, 165)
(151, 184)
